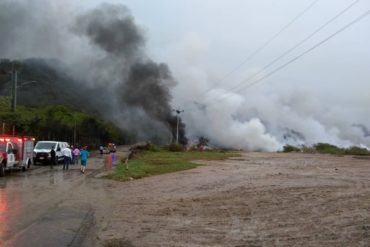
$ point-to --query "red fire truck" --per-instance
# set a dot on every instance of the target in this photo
(15, 152)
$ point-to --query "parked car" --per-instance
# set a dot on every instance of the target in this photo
(41, 152)
(15, 152)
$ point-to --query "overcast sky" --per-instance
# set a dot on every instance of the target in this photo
(216, 36)
(321, 97)
(224, 33)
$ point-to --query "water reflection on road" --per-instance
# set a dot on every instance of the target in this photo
(3, 216)
(50, 207)
(25, 198)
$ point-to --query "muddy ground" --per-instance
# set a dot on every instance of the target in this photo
(259, 199)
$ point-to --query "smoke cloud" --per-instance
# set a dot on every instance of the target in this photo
(103, 49)
(290, 109)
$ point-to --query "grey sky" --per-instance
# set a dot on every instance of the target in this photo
(323, 96)
(215, 36)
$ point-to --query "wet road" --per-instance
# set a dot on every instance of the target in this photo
(52, 207)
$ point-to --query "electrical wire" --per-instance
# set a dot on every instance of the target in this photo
(297, 45)
(365, 14)
(264, 45)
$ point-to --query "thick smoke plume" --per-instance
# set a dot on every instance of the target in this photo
(308, 102)
(102, 49)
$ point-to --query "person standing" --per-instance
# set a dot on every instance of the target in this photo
(52, 157)
(76, 153)
(73, 156)
(84, 155)
(67, 154)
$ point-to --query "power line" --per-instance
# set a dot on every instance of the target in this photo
(297, 45)
(359, 18)
(264, 45)
(365, 14)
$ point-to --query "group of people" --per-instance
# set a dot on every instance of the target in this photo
(71, 156)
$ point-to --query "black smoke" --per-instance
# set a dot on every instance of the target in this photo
(145, 85)
(112, 28)
(145, 88)
(104, 51)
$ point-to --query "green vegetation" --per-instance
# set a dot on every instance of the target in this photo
(51, 105)
(148, 163)
(5, 103)
(58, 123)
(175, 147)
(357, 151)
(290, 148)
(326, 148)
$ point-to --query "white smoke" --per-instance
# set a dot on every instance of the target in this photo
(266, 116)
(322, 99)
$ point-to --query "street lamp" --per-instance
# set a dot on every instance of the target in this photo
(177, 125)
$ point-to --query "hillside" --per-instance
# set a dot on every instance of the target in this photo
(50, 105)
(39, 84)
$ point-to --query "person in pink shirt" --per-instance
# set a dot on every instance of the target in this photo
(76, 153)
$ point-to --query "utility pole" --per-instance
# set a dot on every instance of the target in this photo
(15, 87)
(14, 90)
(178, 112)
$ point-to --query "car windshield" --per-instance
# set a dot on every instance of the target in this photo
(2, 147)
(45, 145)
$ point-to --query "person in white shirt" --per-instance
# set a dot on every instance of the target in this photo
(67, 154)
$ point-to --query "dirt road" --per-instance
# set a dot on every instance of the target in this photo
(259, 199)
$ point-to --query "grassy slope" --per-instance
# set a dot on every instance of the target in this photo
(154, 163)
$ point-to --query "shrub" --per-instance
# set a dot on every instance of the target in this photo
(357, 151)
(326, 148)
(153, 148)
(289, 148)
(175, 148)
